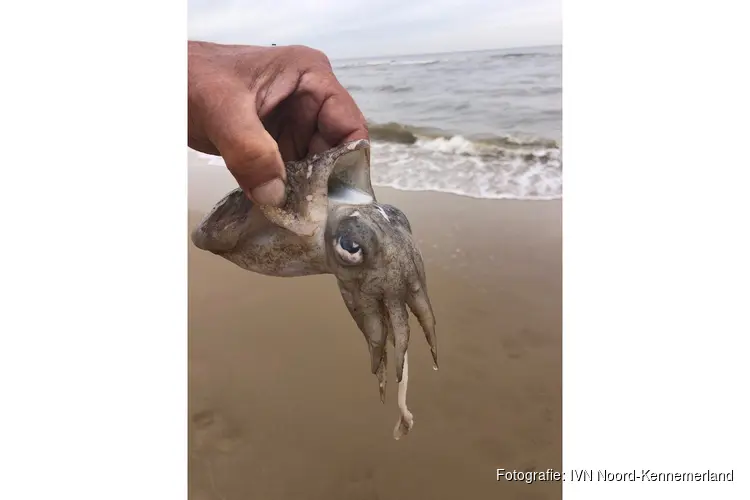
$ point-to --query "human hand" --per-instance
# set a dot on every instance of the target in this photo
(261, 106)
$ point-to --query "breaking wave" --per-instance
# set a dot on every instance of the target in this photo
(406, 134)
(493, 167)
(425, 159)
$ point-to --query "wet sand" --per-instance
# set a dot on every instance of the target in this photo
(282, 404)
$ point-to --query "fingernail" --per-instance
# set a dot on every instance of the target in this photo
(271, 193)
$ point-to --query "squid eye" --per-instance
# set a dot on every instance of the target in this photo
(348, 245)
(348, 250)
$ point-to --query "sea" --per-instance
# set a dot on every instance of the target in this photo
(484, 124)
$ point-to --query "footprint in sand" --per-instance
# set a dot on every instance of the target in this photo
(212, 432)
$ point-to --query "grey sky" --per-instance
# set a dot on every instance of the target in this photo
(354, 28)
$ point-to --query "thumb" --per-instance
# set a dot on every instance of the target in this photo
(250, 152)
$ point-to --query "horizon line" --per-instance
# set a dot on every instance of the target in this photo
(450, 52)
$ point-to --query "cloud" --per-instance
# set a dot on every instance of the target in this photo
(378, 27)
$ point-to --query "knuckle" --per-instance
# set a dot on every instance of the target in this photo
(309, 55)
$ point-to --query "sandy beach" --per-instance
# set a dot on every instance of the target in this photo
(282, 404)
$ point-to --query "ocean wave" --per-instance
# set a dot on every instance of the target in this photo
(458, 165)
(491, 167)
(386, 62)
(407, 134)
(388, 89)
(416, 62)
(394, 89)
(530, 91)
(521, 55)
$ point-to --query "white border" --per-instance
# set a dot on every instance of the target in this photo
(93, 194)
(656, 246)
(93, 247)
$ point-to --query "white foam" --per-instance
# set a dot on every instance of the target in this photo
(458, 166)
(211, 160)
(454, 145)
(461, 167)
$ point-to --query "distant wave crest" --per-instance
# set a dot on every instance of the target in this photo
(386, 62)
(519, 55)
(395, 89)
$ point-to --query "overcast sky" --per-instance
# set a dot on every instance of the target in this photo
(362, 28)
